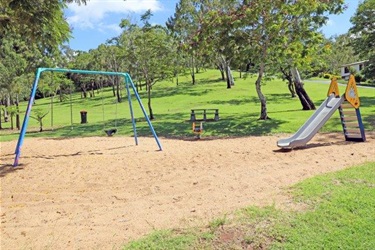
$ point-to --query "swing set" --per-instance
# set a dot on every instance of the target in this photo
(128, 84)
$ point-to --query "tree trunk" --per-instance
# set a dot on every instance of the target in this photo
(7, 104)
(0, 118)
(18, 124)
(230, 75)
(291, 88)
(304, 98)
(40, 126)
(83, 90)
(227, 73)
(226, 68)
(221, 69)
(61, 94)
(11, 121)
(112, 82)
(262, 98)
(118, 94)
(149, 101)
(288, 76)
(52, 109)
(192, 69)
(193, 78)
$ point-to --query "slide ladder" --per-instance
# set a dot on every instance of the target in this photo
(351, 121)
(350, 114)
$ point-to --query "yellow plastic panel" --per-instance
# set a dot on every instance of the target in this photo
(351, 93)
(333, 88)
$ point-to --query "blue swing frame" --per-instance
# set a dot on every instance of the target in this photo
(127, 80)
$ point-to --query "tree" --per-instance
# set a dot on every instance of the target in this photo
(221, 41)
(151, 49)
(41, 21)
(83, 60)
(363, 35)
(282, 31)
(287, 75)
(185, 26)
(39, 115)
(335, 52)
(13, 64)
(30, 34)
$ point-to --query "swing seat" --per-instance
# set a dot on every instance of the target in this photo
(110, 132)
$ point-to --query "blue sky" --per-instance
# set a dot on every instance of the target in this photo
(99, 20)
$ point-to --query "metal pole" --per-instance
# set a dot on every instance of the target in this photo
(144, 112)
(71, 107)
(131, 109)
(26, 118)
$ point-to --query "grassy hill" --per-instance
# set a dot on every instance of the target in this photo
(239, 109)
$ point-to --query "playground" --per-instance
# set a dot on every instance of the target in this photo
(100, 192)
(189, 126)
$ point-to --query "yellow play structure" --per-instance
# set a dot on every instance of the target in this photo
(350, 116)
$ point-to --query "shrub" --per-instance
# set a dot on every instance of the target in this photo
(359, 78)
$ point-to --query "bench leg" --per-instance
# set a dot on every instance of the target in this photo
(216, 115)
(192, 117)
(204, 115)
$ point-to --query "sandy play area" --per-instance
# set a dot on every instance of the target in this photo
(101, 192)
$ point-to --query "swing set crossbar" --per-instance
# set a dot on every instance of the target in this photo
(127, 81)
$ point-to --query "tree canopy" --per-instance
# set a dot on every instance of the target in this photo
(36, 21)
(266, 36)
(363, 34)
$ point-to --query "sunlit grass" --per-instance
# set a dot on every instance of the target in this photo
(239, 109)
(338, 213)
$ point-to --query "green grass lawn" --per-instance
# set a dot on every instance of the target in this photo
(239, 110)
(338, 213)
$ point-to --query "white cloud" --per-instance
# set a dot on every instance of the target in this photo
(330, 22)
(97, 13)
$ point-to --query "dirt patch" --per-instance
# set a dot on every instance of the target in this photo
(102, 192)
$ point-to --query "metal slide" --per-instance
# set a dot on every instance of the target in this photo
(313, 124)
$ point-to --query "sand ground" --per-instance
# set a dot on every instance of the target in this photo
(101, 192)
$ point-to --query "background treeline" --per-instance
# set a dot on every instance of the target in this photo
(262, 37)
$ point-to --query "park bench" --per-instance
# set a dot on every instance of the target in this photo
(204, 113)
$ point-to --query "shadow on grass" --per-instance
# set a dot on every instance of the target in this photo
(174, 125)
(175, 91)
(236, 125)
(77, 130)
(271, 99)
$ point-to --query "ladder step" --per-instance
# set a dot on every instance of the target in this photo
(352, 131)
(346, 105)
(349, 118)
(355, 138)
(350, 123)
(349, 112)
(351, 136)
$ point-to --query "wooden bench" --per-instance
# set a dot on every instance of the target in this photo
(204, 113)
